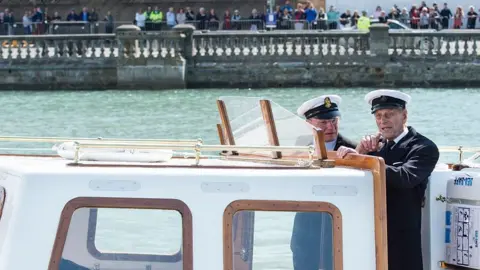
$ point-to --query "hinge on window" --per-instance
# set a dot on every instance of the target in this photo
(244, 254)
(148, 267)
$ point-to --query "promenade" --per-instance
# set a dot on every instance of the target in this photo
(185, 58)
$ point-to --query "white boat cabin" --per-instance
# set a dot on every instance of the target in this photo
(118, 204)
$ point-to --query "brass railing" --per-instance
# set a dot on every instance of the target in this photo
(195, 145)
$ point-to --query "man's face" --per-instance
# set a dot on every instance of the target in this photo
(390, 122)
(329, 127)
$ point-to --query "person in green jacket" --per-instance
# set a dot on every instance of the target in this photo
(156, 17)
(363, 23)
(148, 22)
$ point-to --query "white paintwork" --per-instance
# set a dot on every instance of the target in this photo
(47, 185)
(38, 188)
(433, 220)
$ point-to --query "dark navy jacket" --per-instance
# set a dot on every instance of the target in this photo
(408, 166)
(312, 235)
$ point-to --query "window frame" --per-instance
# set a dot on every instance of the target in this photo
(118, 203)
(3, 199)
(281, 206)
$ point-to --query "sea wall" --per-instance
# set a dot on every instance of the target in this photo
(401, 73)
(184, 58)
(129, 59)
(340, 59)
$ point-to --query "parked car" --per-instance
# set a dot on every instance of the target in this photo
(406, 42)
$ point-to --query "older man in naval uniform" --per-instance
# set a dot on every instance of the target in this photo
(312, 236)
(410, 158)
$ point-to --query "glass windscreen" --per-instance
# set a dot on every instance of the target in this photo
(249, 128)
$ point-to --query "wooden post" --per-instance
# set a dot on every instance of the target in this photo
(320, 148)
(227, 129)
(267, 114)
(221, 135)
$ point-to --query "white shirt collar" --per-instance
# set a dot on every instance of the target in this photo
(403, 134)
(331, 145)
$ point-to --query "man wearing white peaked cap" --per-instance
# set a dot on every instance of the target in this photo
(410, 158)
(312, 236)
(323, 112)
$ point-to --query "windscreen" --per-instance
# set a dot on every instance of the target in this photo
(249, 128)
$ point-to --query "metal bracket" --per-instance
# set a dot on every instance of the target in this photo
(324, 163)
(441, 198)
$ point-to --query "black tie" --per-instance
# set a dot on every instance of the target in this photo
(389, 146)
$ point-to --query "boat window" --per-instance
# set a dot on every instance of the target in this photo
(283, 235)
(134, 231)
(124, 233)
(2, 199)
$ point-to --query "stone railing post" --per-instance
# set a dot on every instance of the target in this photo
(379, 40)
(127, 46)
(187, 36)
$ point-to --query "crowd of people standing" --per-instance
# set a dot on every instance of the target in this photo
(303, 15)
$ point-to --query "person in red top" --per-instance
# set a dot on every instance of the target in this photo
(414, 19)
(227, 20)
(299, 17)
(458, 18)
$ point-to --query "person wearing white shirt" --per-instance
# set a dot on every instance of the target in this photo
(171, 18)
(140, 19)
(181, 16)
(409, 159)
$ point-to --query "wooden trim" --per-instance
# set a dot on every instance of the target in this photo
(138, 203)
(269, 120)
(222, 110)
(319, 138)
(293, 206)
(377, 166)
(221, 135)
(3, 199)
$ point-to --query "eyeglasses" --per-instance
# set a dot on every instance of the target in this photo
(325, 122)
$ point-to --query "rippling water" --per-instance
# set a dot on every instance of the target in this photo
(447, 116)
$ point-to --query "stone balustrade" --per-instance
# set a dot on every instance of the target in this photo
(448, 44)
(187, 58)
(58, 46)
(227, 46)
(305, 46)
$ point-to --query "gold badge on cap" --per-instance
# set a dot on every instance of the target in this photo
(327, 102)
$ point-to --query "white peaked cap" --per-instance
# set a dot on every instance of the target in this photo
(324, 107)
(385, 98)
